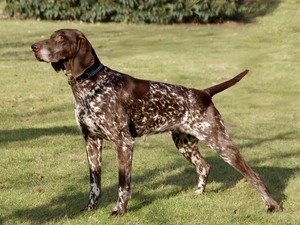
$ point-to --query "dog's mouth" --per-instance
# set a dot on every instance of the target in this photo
(45, 58)
(39, 59)
(43, 54)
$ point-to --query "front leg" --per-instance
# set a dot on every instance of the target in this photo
(124, 151)
(94, 155)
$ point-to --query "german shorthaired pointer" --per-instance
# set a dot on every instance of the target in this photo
(117, 107)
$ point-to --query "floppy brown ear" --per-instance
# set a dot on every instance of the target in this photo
(56, 67)
(84, 58)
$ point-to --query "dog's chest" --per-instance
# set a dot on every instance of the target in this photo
(97, 111)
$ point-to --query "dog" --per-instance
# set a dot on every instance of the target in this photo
(116, 107)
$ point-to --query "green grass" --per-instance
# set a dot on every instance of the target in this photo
(43, 168)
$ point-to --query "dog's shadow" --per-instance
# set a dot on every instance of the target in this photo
(68, 203)
(275, 178)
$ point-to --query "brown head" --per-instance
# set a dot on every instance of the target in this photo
(67, 50)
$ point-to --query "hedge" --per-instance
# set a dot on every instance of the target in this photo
(137, 11)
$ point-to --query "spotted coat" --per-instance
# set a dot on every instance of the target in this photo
(117, 107)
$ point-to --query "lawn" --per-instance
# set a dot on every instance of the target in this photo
(44, 175)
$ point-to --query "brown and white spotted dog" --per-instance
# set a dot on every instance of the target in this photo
(117, 107)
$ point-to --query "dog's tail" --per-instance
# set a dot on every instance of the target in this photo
(227, 84)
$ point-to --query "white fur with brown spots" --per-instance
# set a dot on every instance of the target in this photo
(117, 107)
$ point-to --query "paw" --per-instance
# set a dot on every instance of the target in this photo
(118, 213)
(119, 210)
(199, 191)
(274, 208)
(89, 207)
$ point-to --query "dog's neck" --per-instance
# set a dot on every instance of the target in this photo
(73, 79)
(88, 73)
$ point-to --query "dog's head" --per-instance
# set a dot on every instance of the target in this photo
(67, 50)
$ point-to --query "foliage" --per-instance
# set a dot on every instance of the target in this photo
(136, 11)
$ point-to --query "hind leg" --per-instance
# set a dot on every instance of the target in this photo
(215, 136)
(188, 147)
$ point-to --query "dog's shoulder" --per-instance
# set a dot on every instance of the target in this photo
(124, 83)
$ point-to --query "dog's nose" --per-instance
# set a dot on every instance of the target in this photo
(35, 47)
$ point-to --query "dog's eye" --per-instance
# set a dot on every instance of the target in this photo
(60, 38)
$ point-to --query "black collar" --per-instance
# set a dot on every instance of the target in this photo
(93, 70)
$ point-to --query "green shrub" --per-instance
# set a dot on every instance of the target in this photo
(136, 11)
